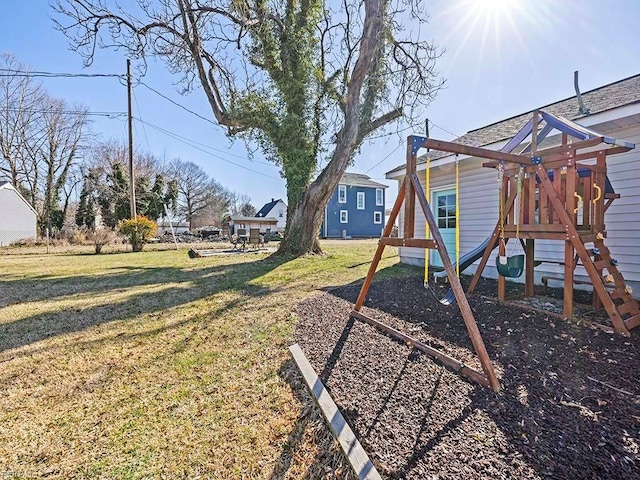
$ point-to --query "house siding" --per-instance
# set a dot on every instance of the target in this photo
(479, 214)
(17, 219)
(275, 213)
(360, 222)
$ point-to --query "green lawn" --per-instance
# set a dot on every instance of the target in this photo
(142, 365)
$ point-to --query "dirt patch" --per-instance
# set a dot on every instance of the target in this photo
(557, 415)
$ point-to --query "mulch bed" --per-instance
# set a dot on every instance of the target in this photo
(416, 419)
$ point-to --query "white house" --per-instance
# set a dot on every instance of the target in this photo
(263, 223)
(17, 216)
(613, 110)
(276, 209)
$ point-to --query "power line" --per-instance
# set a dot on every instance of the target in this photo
(35, 73)
(394, 151)
(178, 105)
(66, 112)
(191, 144)
(144, 130)
(202, 118)
(444, 129)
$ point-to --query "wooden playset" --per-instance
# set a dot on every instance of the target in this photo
(556, 193)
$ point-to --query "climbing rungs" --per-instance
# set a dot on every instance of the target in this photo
(602, 264)
(620, 293)
(630, 307)
(632, 322)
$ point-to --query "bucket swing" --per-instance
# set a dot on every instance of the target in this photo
(511, 266)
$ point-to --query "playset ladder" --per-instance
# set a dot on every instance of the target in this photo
(620, 297)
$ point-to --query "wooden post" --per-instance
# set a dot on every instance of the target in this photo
(530, 265)
(567, 309)
(410, 197)
(454, 282)
(378, 255)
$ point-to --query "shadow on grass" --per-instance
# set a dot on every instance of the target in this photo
(328, 456)
(195, 281)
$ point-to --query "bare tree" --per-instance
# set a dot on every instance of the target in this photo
(199, 194)
(307, 81)
(240, 204)
(40, 142)
(21, 100)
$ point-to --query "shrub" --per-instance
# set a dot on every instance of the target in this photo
(101, 237)
(139, 231)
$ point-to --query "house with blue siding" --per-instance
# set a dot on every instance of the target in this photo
(356, 208)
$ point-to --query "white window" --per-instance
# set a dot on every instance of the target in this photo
(342, 194)
(360, 200)
(344, 216)
(379, 197)
(281, 213)
(377, 217)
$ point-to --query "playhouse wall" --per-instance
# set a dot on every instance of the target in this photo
(478, 191)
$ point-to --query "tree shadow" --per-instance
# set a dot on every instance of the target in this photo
(310, 417)
(188, 284)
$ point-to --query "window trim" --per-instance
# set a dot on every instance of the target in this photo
(361, 195)
(342, 188)
(381, 202)
(379, 222)
(346, 216)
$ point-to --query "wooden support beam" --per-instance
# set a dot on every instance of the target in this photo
(607, 151)
(454, 282)
(529, 267)
(409, 242)
(378, 255)
(567, 309)
(456, 365)
(571, 147)
(356, 456)
(534, 228)
(409, 196)
(534, 132)
(476, 151)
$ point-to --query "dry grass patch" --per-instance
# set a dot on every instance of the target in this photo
(151, 364)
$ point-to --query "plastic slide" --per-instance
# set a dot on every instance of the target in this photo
(465, 261)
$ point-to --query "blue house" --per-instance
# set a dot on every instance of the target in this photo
(356, 208)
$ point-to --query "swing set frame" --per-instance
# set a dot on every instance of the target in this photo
(410, 191)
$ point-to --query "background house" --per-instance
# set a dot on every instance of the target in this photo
(276, 209)
(356, 208)
(17, 216)
(164, 226)
(614, 110)
(263, 223)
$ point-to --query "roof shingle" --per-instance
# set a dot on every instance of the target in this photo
(617, 94)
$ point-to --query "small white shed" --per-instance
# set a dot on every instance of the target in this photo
(17, 216)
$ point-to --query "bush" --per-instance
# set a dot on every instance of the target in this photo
(101, 237)
(139, 231)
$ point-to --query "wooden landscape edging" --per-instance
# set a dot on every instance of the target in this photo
(357, 457)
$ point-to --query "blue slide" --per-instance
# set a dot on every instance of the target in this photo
(465, 261)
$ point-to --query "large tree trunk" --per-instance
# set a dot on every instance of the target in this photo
(305, 216)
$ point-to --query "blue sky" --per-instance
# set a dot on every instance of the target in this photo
(502, 58)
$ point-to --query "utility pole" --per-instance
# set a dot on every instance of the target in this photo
(132, 183)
